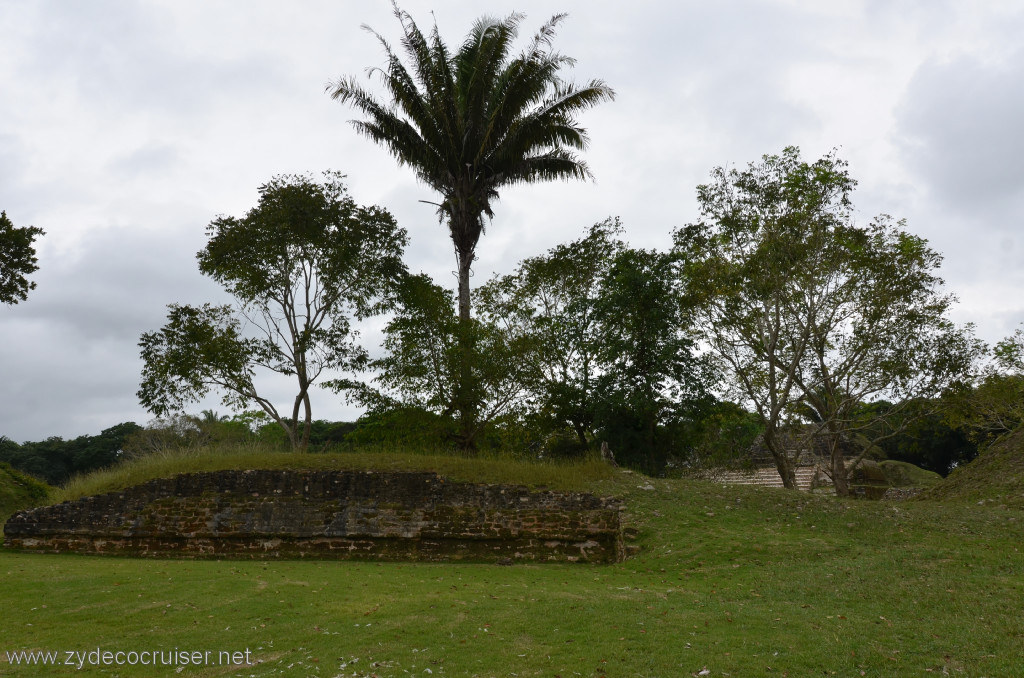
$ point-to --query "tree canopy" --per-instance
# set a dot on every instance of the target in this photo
(652, 376)
(56, 460)
(421, 366)
(553, 298)
(810, 311)
(302, 264)
(993, 407)
(17, 260)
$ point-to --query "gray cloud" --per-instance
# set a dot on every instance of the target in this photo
(69, 358)
(960, 127)
(958, 133)
(148, 159)
(145, 59)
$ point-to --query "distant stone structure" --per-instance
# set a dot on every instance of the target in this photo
(866, 479)
(327, 515)
(811, 462)
(808, 478)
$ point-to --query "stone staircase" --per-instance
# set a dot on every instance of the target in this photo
(767, 477)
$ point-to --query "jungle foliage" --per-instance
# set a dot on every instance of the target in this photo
(55, 460)
(774, 311)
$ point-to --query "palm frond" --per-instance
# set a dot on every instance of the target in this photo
(555, 164)
(478, 119)
(477, 65)
(544, 36)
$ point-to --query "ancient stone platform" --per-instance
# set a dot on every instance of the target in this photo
(327, 515)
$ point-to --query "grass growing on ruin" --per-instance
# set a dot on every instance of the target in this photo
(735, 581)
(19, 490)
(483, 468)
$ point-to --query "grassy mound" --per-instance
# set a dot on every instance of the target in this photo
(997, 476)
(19, 491)
(575, 475)
(903, 474)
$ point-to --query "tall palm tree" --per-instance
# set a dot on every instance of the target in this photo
(472, 121)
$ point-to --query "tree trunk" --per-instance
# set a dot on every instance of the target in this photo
(308, 420)
(838, 467)
(465, 396)
(289, 431)
(581, 432)
(657, 458)
(787, 471)
(267, 407)
(297, 440)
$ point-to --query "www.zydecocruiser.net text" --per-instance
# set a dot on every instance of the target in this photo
(100, 657)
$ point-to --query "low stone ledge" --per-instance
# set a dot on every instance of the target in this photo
(330, 515)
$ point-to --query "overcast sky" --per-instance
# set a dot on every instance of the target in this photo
(127, 126)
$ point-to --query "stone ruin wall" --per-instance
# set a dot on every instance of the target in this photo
(327, 515)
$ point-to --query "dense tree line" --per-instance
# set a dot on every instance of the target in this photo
(55, 460)
(586, 343)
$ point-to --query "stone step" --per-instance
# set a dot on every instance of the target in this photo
(766, 477)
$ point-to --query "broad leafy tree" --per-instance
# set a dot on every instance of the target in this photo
(878, 329)
(610, 349)
(301, 264)
(748, 260)
(808, 310)
(471, 121)
(653, 380)
(553, 298)
(420, 370)
(17, 260)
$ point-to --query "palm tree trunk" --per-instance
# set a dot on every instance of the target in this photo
(465, 260)
(465, 396)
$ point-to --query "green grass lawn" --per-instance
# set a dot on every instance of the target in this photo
(735, 581)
